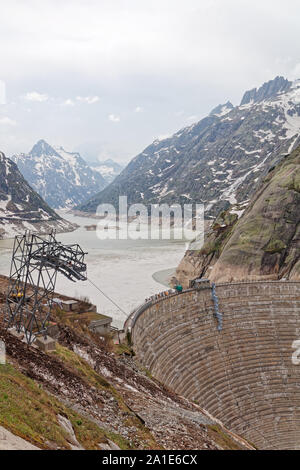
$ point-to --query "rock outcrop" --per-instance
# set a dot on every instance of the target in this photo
(264, 243)
(267, 90)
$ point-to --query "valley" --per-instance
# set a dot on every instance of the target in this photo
(207, 364)
(109, 265)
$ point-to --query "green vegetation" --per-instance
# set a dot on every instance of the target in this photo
(32, 414)
(81, 367)
(123, 348)
(221, 438)
(275, 246)
(224, 219)
(293, 183)
(211, 247)
(128, 338)
(254, 230)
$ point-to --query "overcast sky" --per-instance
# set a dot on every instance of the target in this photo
(107, 77)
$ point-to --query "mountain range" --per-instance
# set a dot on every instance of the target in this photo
(217, 161)
(63, 179)
(108, 169)
(21, 208)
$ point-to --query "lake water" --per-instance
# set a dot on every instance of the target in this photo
(127, 271)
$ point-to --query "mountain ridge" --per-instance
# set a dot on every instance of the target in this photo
(108, 169)
(216, 161)
(21, 207)
(267, 90)
(62, 178)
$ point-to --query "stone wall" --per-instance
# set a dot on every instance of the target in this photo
(244, 374)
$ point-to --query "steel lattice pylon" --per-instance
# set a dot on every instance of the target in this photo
(36, 260)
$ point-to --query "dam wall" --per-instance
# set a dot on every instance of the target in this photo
(244, 374)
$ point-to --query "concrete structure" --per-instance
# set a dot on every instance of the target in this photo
(101, 326)
(199, 283)
(245, 375)
(70, 305)
(46, 344)
(14, 332)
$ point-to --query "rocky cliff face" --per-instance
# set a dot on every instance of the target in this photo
(219, 160)
(21, 207)
(62, 178)
(267, 90)
(264, 243)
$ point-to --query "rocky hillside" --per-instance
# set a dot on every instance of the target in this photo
(63, 179)
(21, 207)
(92, 394)
(108, 169)
(258, 240)
(217, 161)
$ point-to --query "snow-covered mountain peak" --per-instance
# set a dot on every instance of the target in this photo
(268, 90)
(62, 178)
(42, 148)
(218, 160)
(108, 169)
(21, 207)
(222, 109)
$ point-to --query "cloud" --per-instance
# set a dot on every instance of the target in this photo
(68, 102)
(6, 121)
(295, 74)
(2, 92)
(35, 96)
(193, 118)
(163, 137)
(88, 99)
(114, 118)
(163, 57)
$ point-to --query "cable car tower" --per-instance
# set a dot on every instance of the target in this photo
(36, 260)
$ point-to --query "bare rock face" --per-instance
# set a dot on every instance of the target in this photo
(264, 243)
(67, 426)
(190, 266)
(199, 263)
(267, 90)
(8, 441)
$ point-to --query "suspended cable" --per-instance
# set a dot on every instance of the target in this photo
(108, 298)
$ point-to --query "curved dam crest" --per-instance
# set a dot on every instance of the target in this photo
(244, 374)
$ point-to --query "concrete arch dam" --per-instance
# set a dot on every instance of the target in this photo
(246, 375)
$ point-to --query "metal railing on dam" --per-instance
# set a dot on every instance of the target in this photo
(244, 374)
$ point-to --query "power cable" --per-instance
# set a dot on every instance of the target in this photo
(108, 298)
